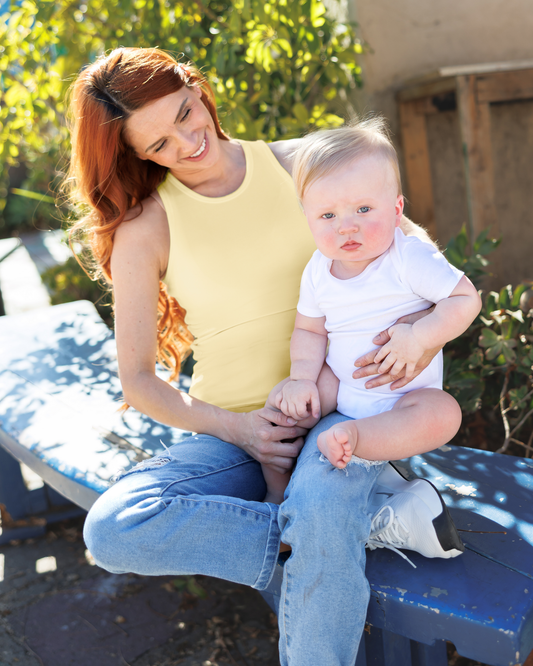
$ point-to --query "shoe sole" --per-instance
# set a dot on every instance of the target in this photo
(445, 530)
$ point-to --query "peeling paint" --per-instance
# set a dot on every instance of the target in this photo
(402, 592)
(468, 491)
(436, 592)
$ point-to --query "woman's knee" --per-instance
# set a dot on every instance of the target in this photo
(115, 525)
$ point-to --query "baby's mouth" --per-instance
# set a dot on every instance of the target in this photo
(351, 245)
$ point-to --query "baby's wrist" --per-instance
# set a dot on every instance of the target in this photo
(421, 338)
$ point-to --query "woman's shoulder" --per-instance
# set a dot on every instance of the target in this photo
(284, 152)
(145, 228)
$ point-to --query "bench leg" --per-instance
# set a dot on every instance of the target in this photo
(383, 648)
(429, 655)
(21, 504)
(13, 492)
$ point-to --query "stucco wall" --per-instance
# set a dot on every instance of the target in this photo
(408, 38)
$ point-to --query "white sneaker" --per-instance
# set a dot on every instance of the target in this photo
(411, 515)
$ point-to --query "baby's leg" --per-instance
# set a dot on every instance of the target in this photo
(420, 421)
(276, 484)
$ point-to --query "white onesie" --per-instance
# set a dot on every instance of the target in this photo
(410, 276)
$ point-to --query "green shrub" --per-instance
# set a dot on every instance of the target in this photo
(68, 282)
(489, 368)
(277, 67)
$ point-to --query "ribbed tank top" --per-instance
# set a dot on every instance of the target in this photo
(235, 265)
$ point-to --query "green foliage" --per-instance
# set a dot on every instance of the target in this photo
(68, 282)
(277, 67)
(473, 262)
(30, 210)
(490, 367)
(189, 584)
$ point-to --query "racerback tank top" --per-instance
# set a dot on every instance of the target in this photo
(235, 265)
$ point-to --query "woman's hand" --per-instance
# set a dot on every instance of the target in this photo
(367, 367)
(264, 434)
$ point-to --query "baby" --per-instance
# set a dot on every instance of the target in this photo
(365, 275)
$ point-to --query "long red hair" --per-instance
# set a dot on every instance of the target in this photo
(106, 177)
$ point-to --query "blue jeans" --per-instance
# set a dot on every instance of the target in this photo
(199, 511)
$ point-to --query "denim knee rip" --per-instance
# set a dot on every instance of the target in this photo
(151, 463)
(355, 460)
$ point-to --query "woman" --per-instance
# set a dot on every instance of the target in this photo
(171, 196)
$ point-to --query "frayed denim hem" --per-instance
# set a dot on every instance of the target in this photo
(355, 460)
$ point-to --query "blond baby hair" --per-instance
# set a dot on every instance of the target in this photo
(325, 151)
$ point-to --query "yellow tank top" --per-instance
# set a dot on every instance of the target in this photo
(235, 266)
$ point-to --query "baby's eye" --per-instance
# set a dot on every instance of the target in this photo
(364, 209)
(328, 216)
(161, 146)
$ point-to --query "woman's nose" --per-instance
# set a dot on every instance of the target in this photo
(187, 142)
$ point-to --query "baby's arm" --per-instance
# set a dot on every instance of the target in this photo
(299, 396)
(328, 387)
(451, 317)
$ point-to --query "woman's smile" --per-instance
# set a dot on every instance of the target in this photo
(202, 151)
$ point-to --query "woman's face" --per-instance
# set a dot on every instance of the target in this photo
(175, 131)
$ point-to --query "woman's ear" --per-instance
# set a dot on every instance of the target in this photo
(399, 209)
(196, 90)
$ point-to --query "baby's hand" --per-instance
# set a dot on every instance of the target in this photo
(299, 399)
(403, 350)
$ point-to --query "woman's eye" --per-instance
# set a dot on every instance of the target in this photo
(364, 209)
(185, 115)
(161, 146)
(328, 216)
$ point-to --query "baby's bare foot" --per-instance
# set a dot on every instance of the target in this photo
(338, 444)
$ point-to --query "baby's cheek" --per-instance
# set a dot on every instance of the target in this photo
(378, 235)
(326, 239)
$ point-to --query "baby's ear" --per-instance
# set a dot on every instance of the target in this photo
(399, 209)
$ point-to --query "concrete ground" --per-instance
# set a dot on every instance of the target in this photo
(58, 609)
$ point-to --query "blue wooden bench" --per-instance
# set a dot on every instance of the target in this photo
(59, 396)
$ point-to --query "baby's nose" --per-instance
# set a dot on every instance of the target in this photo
(348, 226)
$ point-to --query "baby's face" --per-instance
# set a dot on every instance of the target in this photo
(352, 212)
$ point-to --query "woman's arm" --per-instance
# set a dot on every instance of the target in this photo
(138, 262)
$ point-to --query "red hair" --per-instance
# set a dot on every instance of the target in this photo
(107, 177)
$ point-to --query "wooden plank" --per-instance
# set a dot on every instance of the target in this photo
(504, 86)
(426, 89)
(450, 73)
(474, 119)
(417, 166)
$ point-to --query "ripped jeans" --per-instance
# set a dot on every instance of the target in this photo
(199, 511)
